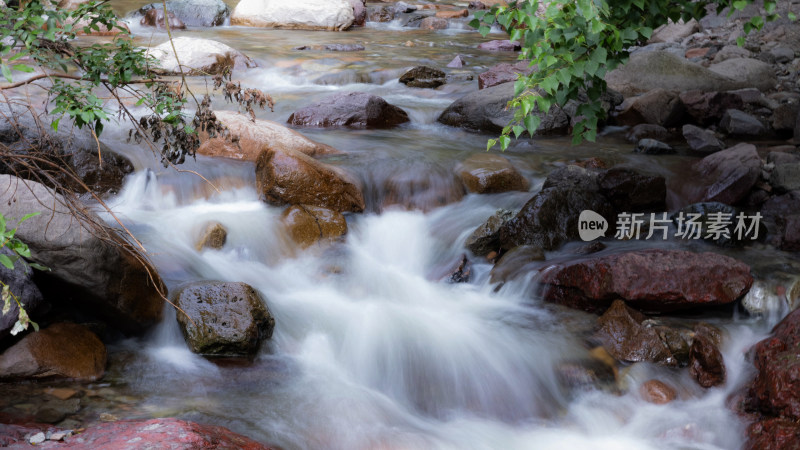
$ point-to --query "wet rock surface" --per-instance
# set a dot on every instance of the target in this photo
(486, 173)
(352, 110)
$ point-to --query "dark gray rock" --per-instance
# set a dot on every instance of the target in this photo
(700, 140)
(709, 107)
(739, 123)
(194, 13)
(728, 174)
(503, 45)
(658, 107)
(486, 238)
(647, 131)
(653, 147)
(785, 177)
(631, 191)
(423, 77)
(352, 110)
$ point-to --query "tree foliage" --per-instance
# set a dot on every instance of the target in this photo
(572, 44)
(18, 250)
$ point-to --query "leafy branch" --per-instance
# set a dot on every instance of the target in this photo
(18, 250)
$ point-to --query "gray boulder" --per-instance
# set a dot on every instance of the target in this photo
(700, 140)
(352, 110)
(748, 72)
(653, 147)
(739, 123)
(728, 175)
(785, 177)
(193, 13)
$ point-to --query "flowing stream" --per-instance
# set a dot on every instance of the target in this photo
(371, 348)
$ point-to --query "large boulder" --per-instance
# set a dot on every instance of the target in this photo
(654, 280)
(223, 318)
(631, 191)
(352, 110)
(193, 13)
(62, 350)
(486, 110)
(290, 177)
(709, 107)
(646, 71)
(503, 73)
(359, 12)
(659, 107)
(87, 272)
(198, 57)
(418, 185)
(739, 123)
(20, 283)
(331, 15)
(748, 72)
(308, 225)
(488, 173)
(728, 175)
(253, 137)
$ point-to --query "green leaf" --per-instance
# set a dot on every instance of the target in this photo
(518, 130)
(6, 261)
(791, 16)
(38, 266)
(6, 72)
(739, 5)
(532, 123)
(22, 68)
(504, 141)
(490, 143)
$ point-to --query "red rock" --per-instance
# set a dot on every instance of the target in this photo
(655, 280)
(658, 392)
(706, 365)
(697, 52)
(350, 109)
(627, 338)
(773, 434)
(776, 388)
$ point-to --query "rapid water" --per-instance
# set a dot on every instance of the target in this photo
(372, 349)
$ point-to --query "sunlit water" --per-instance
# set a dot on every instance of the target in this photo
(371, 348)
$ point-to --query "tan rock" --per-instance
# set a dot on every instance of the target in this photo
(290, 177)
(308, 225)
(61, 393)
(486, 173)
(255, 136)
(658, 392)
(214, 236)
(452, 14)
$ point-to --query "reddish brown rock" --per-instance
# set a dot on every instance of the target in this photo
(452, 14)
(433, 23)
(775, 390)
(624, 335)
(62, 350)
(658, 107)
(352, 110)
(631, 191)
(308, 225)
(488, 173)
(709, 107)
(653, 280)
(698, 52)
(290, 177)
(773, 434)
(706, 365)
(658, 392)
(728, 175)
(502, 73)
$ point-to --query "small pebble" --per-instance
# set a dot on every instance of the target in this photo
(37, 438)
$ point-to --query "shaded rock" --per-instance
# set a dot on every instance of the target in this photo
(155, 18)
(223, 318)
(331, 15)
(486, 238)
(625, 335)
(739, 123)
(423, 77)
(585, 374)
(485, 110)
(517, 262)
(646, 71)
(383, 14)
(252, 137)
(647, 131)
(502, 73)
(783, 117)
(748, 72)
(631, 191)
(653, 147)
(86, 271)
(501, 45)
(709, 107)
(308, 225)
(730, 52)
(214, 236)
(20, 283)
(462, 273)
(653, 280)
(62, 350)
(702, 215)
(353, 110)
(659, 107)
(785, 177)
(194, 13)
(198, 57)
(488, 173)
(700, 140)
(359, 12)
(433, 23)
(457, 62)
(779, 216)
(658, 392)
(674, 32)
(706, 365)
(291, 177)
(729, 174)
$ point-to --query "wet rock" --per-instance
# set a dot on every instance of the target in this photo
(20, 283)
(658, 392)
(308, 225)
(488, 173)
(419, 185)
(653, 280)
(452, 14)
(585, 375)
(739, 123)
(785, 177)
(486, 238)
(728, 174)
(457, 62)
(517, 262)
(343, 47)
(653, 147)
(631, 191)
(477, 5)
(709, 107)
(462, 273)
(331, 15)
(501, 45)
(155, 18)
(748, 72)
(659, 107)
(352, 110)
(646, 71)
(647, 131)
(701, 216)
(223, 318)
(359, 12)
(433, 23)
(198, 57)
(160, 433)
(412, 21)
(502, 73)
(86, 271)
(706, 364)
(700, 140)
(252, 137)
(193, 13)
(214, 236)
(674, 32)
(779, 216)
(291, 177)
(628, 338)
(383, 14)
(485, 110)
(62, 350)
(404, 8)
(423, 77)
(773, 434)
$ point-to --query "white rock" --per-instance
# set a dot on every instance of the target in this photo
(37, 438)
(199, 56)
(333, 15)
